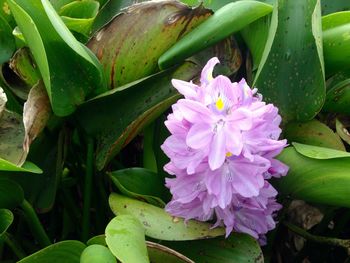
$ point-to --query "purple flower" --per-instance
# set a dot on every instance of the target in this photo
(223, 142)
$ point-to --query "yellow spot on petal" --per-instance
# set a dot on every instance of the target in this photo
(228, 154)
(219, 104)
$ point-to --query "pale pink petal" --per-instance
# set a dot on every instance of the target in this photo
(217, 152)
(199, 136)
(188, 89)
(207, 72)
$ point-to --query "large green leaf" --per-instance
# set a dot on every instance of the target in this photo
(62, 252)
(236, 248)
(97, 254)
(125, 238)
(141, 184)
(6, 219)
(11, 194)
(129, 46)
(313, 132)
(291, 71)
(70, 72)
(227, 20)
(110, 10)
(121, 114)
(7, 42)
(324, 180)
(336, 41)
(331, 6)
(159, 254)
(159, 224)
(26, 167)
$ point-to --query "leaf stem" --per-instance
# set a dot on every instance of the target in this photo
(149, 159)
(87, 189)
(34, 224)
(345, 243)
(14, 245)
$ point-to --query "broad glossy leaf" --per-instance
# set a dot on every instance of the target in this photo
(158, 254)
(338, 93)
(129, 46)
(141, 184)
(331, 6)
(6, 219)
(236, 248)
(110, 10)
(125, 238)
(159, 224)
(11, 194)
(313, 132)
(97, 240)
(317, 152)
(7, 42)
(26, 167)
(324, 181)
(291, 71)
(97, 254)
(36, 113)
(5, 13)
(64, 252)
(336, 41)
(226, 21)
(70, 77)
(121, 114)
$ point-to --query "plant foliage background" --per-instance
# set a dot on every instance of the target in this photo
(85, 88)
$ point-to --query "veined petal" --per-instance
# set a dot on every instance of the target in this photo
(207, 72)
(194, 111)
(217, 152)
(188, 89)
(199, 136)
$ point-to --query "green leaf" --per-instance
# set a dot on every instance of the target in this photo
(342, 131)
(291, 71)
(310, 179)
(159, 224)
(130, 45)
(159, 254)
(237, 247)
(118, 125)
(6, 219)
(226, 21)
(110, 10)
(70, 77)
(26, 167)
(313, 132)
(7, 42)
(331, 6)
(97, 240)
(141, 184)
(336, 40)
(64, 252)
(80, 9)
(97, 254)
(126, 239)
(317, 152)
(11, 194)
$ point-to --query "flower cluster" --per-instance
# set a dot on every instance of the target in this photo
(222, 146)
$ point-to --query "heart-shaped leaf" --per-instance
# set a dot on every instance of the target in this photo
(291, 71)
(159, 224)
(159, 254)
(150, 26)
(310, 179)
(141, 184)
(65, 251)
(237, 247)
(313, 132)
(11, 194)
(126, 239)
(97, 254)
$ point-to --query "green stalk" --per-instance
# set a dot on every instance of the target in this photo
(345, 243)
(87, 189)
(13, 244)
(149, 159)
(34, 224)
